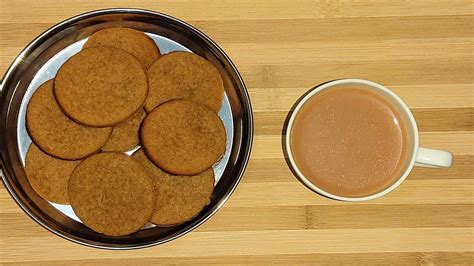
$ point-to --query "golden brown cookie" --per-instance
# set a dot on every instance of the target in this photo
(178, 198)
(131, 41)
(48, 175)
(101, 86)
(184, 75)
(112, 193)
(183, 137)
(55, 133)
(125, 135)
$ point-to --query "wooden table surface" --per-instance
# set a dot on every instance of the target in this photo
(422, 49)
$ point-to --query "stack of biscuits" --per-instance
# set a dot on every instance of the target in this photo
(119, 93)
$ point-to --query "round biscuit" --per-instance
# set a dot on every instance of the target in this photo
(101, 86)
(124, 136)
(178, 198)
(112, 193)
(183, 137)
(131, 41)
(184, 75)
(48, 175)
(55, 133)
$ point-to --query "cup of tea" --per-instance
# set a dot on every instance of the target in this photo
(355, 140)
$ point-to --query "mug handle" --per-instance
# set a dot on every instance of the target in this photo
(433, 158)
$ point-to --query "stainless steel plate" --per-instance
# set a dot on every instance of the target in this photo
(41, 59)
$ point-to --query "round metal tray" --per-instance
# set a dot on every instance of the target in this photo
(40, 61)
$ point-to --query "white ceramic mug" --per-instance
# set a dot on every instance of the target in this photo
(418, 156)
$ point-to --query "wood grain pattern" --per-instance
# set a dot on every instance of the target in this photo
(423, 50)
